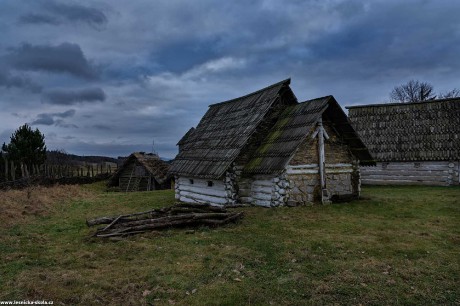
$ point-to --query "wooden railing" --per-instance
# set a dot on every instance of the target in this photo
(11, 171)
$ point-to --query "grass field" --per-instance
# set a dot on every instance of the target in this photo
(396, 246)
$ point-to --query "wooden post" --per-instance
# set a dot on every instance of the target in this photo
(92, 170)
(322, 134)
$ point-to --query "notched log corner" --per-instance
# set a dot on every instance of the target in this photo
(178, 215)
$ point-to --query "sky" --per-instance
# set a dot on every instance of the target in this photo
(111, 77)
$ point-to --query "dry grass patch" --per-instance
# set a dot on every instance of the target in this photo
(17, 206)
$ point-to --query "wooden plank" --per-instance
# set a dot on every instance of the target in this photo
(203, 190)
(428, 165)
(190, 200)
(406, 178)
(261, 203)
(406, 172)
(401, 182)
(262, 189)
(199, 182)
(203, 197)
(246, 200)
(261, 196)
(262, 183)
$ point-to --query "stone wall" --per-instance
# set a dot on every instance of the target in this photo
(304, 185)
(342, 174)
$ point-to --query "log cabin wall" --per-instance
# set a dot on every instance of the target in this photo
(413, 143)
(434, 173)
(197, 190)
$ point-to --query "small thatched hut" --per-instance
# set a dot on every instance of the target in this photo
(141, 172)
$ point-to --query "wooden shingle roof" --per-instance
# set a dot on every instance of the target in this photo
(410, 131)
(154, 165)
(222, 133)
(293, 126)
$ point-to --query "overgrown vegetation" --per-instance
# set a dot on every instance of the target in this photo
(397, 246)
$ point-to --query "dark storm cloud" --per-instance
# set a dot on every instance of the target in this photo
(78, 13)
(50, 118)
(55, 13)
(70, 97)
(9, 81)
(63, 58)
(165, 61)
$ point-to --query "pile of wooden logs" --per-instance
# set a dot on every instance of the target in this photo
(179, 215)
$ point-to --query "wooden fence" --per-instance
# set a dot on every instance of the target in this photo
(11, 171)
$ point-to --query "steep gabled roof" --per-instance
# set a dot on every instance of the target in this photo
(410, 131)
(154, 165)
(222, 133)
(293, 126)
(184, 138)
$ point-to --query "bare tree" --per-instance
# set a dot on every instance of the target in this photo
(416, 91)
(454, 93)
(413, 91)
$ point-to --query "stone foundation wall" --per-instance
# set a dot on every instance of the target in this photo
(304, 184)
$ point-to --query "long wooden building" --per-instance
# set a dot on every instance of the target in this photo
(267, 149)
(413, 143)
(141, 172)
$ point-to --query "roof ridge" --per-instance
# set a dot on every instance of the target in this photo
(403, 103)
(286, 81)
(320, 98)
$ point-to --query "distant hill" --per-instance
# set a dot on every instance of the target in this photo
(60, 157)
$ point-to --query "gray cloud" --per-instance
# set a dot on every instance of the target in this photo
(54, 13)
(34, 18)
(101, 127)
(9, 81)
(78, 13)
(63, 58)
(70, 97)
(50, 118)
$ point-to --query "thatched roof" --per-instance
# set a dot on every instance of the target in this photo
(293, 126)
(151, 162)
(223, 132)
(410, 131)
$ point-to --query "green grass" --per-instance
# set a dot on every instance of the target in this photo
(399, 245)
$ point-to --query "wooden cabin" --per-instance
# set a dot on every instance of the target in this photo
(413, 143)
(141, 172)
(267, 149)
